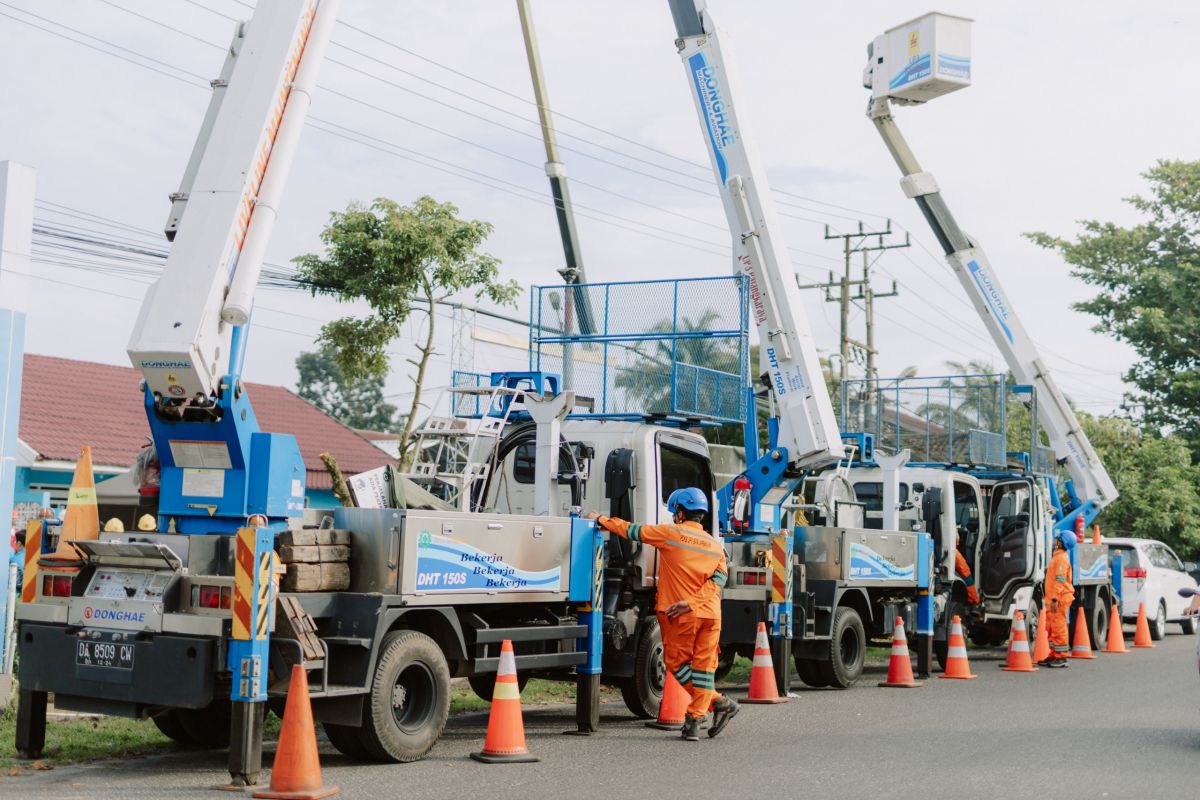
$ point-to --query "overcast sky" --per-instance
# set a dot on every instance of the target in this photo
(1070, 102)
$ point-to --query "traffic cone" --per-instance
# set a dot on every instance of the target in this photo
(82, 521)
(956, 654)
(1141, 636)
(1096, 539)
(296, 773)
(1116, 636)
(505, 741)
(762, 672)
(900, 674)
(1018, 648)
(1041, 648)
(1082, 646)
(673, 706)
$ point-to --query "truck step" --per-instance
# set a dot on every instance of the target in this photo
(280, 689)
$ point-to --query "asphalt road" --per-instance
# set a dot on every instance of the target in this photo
(1118, 726)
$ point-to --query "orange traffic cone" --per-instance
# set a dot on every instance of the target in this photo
(1041, 647)
(673, 706)
(1096, 539)
(1141, 636)
(762, 672)
(900, 674)
(296, 773)
(956, 654)
(1082, 646)
(1018, 648)
(82, 521)
(505, 741)
(1116, 636)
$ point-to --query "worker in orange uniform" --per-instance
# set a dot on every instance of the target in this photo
(963, 570)
(691, 574)
(1059, 590)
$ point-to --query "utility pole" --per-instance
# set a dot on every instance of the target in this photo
(572, 273)
(858, 242)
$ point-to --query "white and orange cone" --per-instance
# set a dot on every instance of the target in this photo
(1018, 648)
(1082, 646)
(505, 741)
(957, 665)
(673, 706)
(1116, 635)
(762, 672)
(1141, 634)
(900, 674)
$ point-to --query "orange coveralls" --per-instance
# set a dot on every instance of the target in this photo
(1058, 586)
(691, 567)
(963, 570)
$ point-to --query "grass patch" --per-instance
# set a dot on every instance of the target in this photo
(537, 692)
(84, 739)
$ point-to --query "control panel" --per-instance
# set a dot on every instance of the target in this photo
(116, 584)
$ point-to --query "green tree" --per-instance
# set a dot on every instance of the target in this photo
(358, 404)
(1156, 479)
(1149, 281)
(389, 255)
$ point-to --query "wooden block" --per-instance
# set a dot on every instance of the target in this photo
(334, 552)
(327, 536)
(301, 538)
(328, 577)
(302, 578)
(300, 554)
(335, 576)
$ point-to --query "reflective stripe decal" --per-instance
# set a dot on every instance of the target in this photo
(763, 660)
(635, 532)
(1060, 578)
(506, 690)
(719, 578)
(1020, 646)
(693, 548)
(957, 652)
(704, 680)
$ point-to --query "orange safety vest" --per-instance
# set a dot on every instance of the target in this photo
(692, 563)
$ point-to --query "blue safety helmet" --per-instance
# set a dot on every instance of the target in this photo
(691, 499)
(1068, 540)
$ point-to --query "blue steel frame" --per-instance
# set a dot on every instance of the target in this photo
(677, 412)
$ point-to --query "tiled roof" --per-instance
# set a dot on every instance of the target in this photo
(67, 403)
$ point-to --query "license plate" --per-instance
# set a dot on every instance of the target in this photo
(104, 654)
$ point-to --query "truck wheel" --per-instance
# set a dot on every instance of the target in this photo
(410, 698)
(1099, 625)
(1158, 625)
(847, 650)
(208, 726)
(642, 691)
(171, 726)
(483, 685)
(809, 671)
(347, 741)
(725, 662)
(941, 651)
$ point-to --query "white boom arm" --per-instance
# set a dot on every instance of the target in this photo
(223, 215)
(807, 427)
(915, 62)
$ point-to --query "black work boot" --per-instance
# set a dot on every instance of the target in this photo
(691, 729)
(722, 713)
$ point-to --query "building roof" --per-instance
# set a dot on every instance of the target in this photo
(67, 403)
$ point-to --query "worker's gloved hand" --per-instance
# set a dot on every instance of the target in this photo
(1054, 605)
(592, 515)
(678, 609)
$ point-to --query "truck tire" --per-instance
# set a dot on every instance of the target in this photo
(347, 741)
(809, 671)
(171, 726)
(208, 726)
(1099, 626)
(847, 650)
(483, 685)
(725, 662)
(1158, 625)
(941, 651)
(409, 702)
(642, 691)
